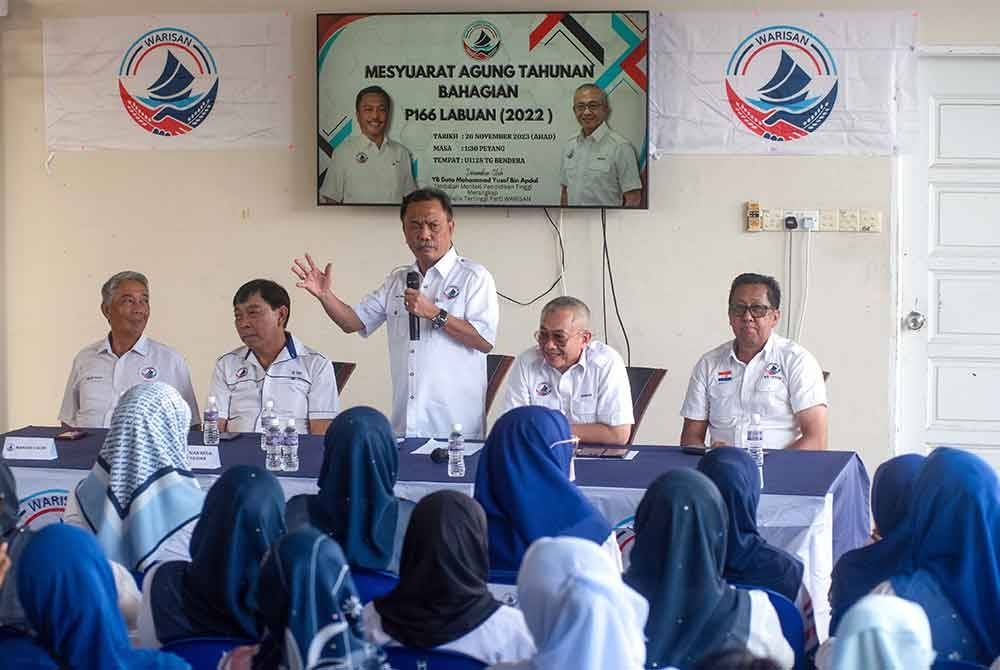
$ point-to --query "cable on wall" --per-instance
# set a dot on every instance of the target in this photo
(606, 262)
(562, 269)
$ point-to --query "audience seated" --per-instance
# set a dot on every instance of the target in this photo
(581, 613)
(892, 495)
(735, 659)
(356, 505)
(136, 522)
(523, 484)
(677, 562)
(312, 617)
(883, 633)
(750, 560)
(943, 556)
(441, 601)
(216, 593)
(14, 540)
(68, 594)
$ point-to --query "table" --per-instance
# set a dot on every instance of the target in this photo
(814, 504)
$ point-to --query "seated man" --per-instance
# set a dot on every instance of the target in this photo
(758, 372)
(568, 371)
(104, 370)
(274, 365)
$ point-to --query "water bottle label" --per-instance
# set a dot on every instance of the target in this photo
(755, 436)
(211, 415)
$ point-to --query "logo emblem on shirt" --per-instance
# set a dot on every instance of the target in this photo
(773, 370)
(725, 376)
(543, 389)
(570, 154)
(148, 373)
(361, 157)
(241, 373)
(452, 292)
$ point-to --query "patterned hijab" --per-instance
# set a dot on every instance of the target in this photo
(141, 489)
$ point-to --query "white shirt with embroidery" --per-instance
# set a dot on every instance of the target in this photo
(300, 381)
(780, 381)
(598, 169)
(436, 380)
(99, 378)
(362, 172)
(594, 390)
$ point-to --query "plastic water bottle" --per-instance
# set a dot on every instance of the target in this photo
(265, 421)
(272, 445)
(456, 452)
(290, 447)
(754, 444)
(210, 424)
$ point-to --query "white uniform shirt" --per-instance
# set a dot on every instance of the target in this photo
(436, 381)
(594, 390)
(99, 378)
(361, 172)
(300, 381)
(597, 170)
(780, 381)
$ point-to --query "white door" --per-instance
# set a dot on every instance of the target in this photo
(949, 291)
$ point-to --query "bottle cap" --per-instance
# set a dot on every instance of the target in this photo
(456, 428)
(291, 423)
(755, 418)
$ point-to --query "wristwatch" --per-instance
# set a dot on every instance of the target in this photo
(439, 320)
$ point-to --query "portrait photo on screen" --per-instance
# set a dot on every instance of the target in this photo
(503, 109)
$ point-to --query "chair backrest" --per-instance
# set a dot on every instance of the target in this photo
(343, 371)
(643, 382)
(945, 664)
(404, 658)
(497, 367)
(792, 627)
(372, 584)
(503, 585)
(204, 653)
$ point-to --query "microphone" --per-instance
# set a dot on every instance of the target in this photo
(413, 281)
(440, 455)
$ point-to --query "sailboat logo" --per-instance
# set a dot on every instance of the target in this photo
(781, 83)
(168, 82)
(481, 40)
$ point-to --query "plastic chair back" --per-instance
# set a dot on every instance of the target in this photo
(792, 626)
(204, 653)
(372, 584)
(643, 383)
(404, 658)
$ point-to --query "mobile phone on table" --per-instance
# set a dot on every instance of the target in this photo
(695, 449)
(74, 434)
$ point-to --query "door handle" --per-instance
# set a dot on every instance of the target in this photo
(914, 321)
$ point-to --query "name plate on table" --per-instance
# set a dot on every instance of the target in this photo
(201, 457)
(30, 448)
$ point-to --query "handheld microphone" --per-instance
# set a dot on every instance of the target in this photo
(413, 281)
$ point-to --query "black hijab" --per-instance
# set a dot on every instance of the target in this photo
(676, 563)
(11, 613)
(442, 593)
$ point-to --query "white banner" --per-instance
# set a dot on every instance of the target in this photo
(783, 82)
(207, 81)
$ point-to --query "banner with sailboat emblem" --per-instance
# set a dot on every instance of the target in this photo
(783, 82)
(168, 82)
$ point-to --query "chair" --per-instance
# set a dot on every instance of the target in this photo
(497, 367)
(643, 382)
(503, 585)
(343, 372)
(204, 653)
(945, 664)
(404, 658)
(792, 627)
(373, 584)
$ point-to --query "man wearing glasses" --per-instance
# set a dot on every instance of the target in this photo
(758, 372)
(599, 167)
(575, 374)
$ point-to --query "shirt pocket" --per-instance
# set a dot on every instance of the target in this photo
(95, 394)
(599, 164)
(585, 408)
(724, 403)
(291, 398)
(771, 396)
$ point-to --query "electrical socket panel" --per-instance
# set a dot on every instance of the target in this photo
(848, 220)
(772, 219)
(870, 221)
(808, 219)
(827, 221)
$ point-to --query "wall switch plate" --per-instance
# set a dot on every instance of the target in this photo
(848, 220)
(772, 219)
(754, 223)
(870, 221)
(828, 220)
(805, 219)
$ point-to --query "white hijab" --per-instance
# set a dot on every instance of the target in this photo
(578, 609)
(883, 632)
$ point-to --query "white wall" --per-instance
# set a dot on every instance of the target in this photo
(177, 217)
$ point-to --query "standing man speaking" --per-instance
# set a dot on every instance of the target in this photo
(438, 377)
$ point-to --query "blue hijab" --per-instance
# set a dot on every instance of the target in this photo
(310, 610)
(16, 537)
(68, 592)
(216, 593)
(952, 533)
(523, 485)
(356, 505)
(892, 495)
(750, 561)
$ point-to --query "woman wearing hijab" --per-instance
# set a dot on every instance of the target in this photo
(750, 561)
(884, 633)
(580, 612)
(140, 498)
(215, 594)
(441, 601)
(356, 505)
(944, 555)
(71, 603)
(892, 495)
(677, 562)
(522, 483)
(14, 539)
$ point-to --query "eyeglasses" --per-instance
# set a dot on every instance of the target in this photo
(558, 338)
(756, 311)
(592, 106)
